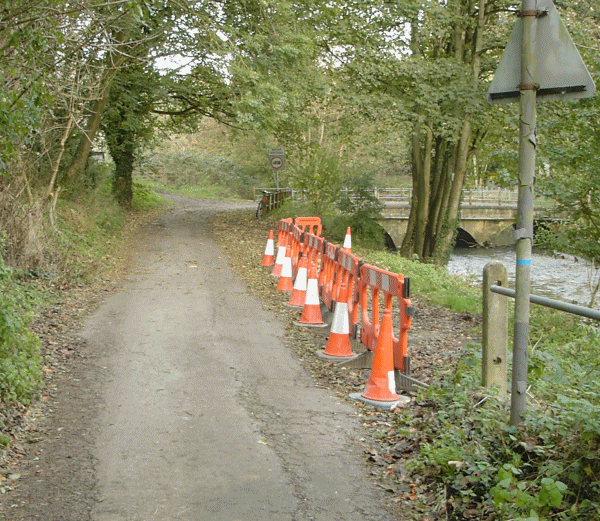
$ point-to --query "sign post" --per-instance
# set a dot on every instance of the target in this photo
(524, 229)
(540, 62)
(277, 163)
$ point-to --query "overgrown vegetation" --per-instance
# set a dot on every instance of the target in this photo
(20, 361)
(547, 468)
(204, 164)
(468, 457)
(81, 244)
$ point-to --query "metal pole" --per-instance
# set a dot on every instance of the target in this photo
(524, 230)
(574, 309)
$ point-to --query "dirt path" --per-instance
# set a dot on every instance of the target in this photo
(186, 404)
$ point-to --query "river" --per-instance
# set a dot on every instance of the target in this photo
(564, 278)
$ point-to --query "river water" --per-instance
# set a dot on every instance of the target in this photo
(563, 278)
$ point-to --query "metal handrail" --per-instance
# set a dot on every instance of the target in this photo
(582, 311)
(496, 197)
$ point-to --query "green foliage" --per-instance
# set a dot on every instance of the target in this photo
(359, 208)
(366, 233)
(273, 65)
(431, 282)
(571, 169)
(127, 124)
(359, 199)
(146, 199)
(25, 90)
(547, 467)
(20, 361)
(89, 224)
(203, 164)
(320, 178)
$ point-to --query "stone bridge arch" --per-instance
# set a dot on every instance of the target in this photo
(480, 224)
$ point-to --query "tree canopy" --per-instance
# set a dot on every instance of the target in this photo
(320, 77)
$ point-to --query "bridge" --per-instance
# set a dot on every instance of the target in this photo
(487, 216)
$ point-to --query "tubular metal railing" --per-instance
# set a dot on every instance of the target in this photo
(574, 309)
(472, 196)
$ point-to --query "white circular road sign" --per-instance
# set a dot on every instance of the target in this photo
(276, 162)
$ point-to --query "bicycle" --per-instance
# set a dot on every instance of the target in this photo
(261, 209)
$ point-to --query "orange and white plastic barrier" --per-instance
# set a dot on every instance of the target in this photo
(327, 275)
(313, 247)
(309, 224)
(376, 282)
(297, 245)
(380, 389)
(357, 291)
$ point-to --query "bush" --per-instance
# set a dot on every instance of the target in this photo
(360, 209)
(548, 467)
(20, 361)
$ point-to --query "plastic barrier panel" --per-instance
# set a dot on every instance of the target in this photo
(310, 224)
(348, 271)
(313, 247)
(284, 232)
(375, 282)
(297, 247)
(327, 275)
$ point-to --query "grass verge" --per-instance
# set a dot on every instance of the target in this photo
(85, 244)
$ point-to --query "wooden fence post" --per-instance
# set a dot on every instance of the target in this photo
(495, 329)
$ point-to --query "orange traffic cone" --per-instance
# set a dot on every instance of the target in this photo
(285, 281)
(338, 343)
(348, 240)
(278, 261)
(298, 296)
(311, 313)
(380, 389)
(267, 259)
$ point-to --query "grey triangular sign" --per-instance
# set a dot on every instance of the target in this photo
(561, 73)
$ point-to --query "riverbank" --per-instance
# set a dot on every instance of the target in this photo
(443, 457)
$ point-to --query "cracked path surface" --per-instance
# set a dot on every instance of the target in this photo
(204, 413)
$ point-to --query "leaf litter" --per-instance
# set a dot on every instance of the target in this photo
(438, 336)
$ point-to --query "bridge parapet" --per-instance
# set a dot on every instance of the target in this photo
(485, 223)
(472, 196)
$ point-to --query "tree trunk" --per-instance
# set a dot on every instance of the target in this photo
(114, 62)
(424, 186)
(408, 245)
(437, 189)
(445, 239)
(123, 178)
